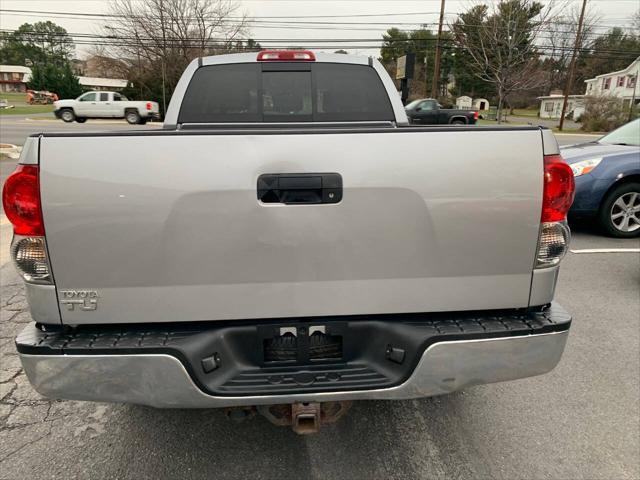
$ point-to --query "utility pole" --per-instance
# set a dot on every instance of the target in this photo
(426, 65)
(572, 67)
(426, 75)
(436, 64)
(633, 97)
(164, 58)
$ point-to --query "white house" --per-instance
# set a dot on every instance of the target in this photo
(551, 105)
(623, 84)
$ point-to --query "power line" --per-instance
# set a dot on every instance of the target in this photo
(139, 40)
(258, 20)
(399, 42)
(545, 35)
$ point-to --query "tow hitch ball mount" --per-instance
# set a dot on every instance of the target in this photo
(304, 418)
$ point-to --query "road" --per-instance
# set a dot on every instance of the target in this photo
(15, 129)
(581, 421)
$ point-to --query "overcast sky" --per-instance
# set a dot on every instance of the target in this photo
(612, 12)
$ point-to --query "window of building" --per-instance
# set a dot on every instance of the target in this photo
(621, 81)
(606, 83)
(548, 106)
(631, 81)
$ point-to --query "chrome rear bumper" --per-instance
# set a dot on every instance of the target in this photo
(161, 380)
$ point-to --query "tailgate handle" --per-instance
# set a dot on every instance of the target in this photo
(297, 188)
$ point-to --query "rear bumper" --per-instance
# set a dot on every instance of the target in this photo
(450, 361)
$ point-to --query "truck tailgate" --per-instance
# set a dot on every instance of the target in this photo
(167, 227)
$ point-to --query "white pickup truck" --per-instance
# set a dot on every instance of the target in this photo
(105, 105)
(288, 243)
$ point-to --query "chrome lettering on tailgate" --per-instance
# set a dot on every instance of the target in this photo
(86, 300)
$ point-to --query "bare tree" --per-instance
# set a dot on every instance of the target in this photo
(635, 21)
(558, 41)
(500, 44)
(158, 38)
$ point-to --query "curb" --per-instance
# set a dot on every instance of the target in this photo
(11, 151)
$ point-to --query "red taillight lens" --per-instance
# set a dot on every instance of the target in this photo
(476, 114)
(21, 201)
(559, 188)
(286, 56)
(149, 106)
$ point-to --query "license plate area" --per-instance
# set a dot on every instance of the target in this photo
(301, 344)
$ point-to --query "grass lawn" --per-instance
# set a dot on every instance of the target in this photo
(482, 121)
(26, 110)
(14, 97)
(523, 112)
(21, 107)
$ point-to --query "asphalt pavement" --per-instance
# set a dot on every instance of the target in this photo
(581, 421)
(14, 129)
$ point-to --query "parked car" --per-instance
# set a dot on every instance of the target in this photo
(105, 105)
(607, 173)
(427, 111)
(293, 254)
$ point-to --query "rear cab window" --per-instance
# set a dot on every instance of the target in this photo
(285, 92)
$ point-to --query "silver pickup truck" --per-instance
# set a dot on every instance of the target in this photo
(288, 244)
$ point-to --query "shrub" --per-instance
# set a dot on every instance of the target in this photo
(603, 114)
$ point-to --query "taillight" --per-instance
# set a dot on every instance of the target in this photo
(558, 191)
(22, 206)
(559, 188)
(286, 56)
(29, 255)
(21, 201)
(476, 114)
(149, 106)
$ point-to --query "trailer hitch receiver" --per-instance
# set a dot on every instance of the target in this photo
(304, 418)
